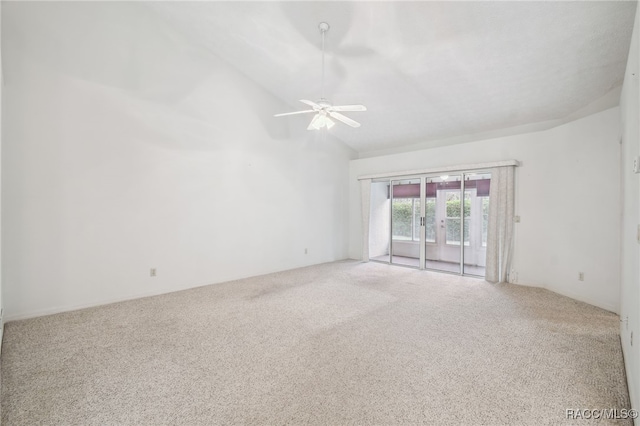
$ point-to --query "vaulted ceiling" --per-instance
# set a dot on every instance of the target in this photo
(430, 73)
(427, 71)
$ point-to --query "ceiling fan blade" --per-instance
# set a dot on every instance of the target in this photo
(311, 104)
(348, 108)
(344, 119)
(315, 123)
(293, 113)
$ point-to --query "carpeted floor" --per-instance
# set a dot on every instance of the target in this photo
(339, 343)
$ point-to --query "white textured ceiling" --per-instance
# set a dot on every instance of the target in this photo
(430, 73)
(427, 71)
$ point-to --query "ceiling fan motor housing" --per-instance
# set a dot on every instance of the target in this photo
(325, 103)
(323, 108)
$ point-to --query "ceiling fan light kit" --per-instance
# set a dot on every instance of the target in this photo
(323, 108)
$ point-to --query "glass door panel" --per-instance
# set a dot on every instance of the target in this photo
(438, 220)
(405, 222)
(443, 223)
(380, 222)
(476, 202)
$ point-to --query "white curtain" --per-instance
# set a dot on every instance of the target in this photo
(365, 190)
(500, 226)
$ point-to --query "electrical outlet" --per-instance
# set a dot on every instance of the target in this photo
(636, 165)
(516, 219)
(152, 272)
(581, 276)
(306, 251)
(631, 339)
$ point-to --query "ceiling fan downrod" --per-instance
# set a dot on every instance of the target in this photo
(324, 27)
(324, 109)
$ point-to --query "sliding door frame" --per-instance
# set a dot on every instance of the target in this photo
(422, 213)
(423, 194)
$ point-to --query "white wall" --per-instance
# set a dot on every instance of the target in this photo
(1, 84)
(630, 289)
(568, 197)
(127, 149)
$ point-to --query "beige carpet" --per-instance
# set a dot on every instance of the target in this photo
(339, 343)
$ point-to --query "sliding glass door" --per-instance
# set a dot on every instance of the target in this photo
(476, 202)
(443, 223)
(431, 222)
(406, 221)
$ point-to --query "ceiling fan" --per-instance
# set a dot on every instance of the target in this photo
(323, 108)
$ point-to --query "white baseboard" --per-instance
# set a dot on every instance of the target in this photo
(631, 385)
(607, 306)
(68, 308)
(1, 331)
(580, 298)
(575, 296)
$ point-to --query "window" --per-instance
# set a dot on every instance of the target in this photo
(406, 219)
(452, 221)
(416, 219)
(431, 220)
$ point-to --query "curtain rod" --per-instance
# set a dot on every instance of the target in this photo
(457, 168)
